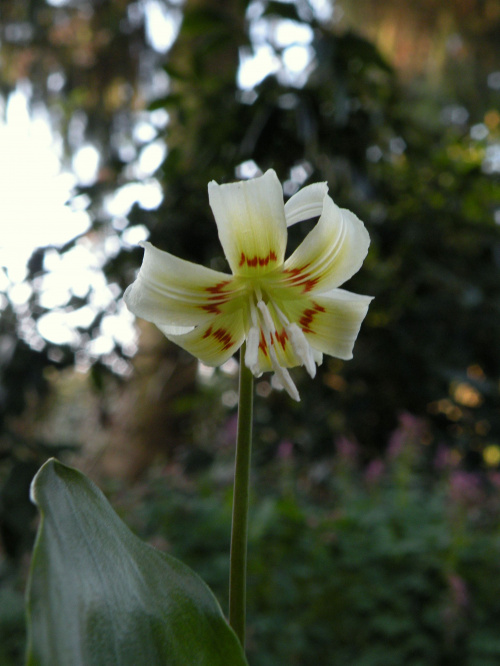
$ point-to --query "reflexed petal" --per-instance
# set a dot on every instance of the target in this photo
(172, 292)
(250, 217)
(213, 342)
(330, 321)
(307, 203)
(331, 253)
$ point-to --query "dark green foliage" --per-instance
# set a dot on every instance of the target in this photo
(348, 565)
(396, 155)
(12, 622)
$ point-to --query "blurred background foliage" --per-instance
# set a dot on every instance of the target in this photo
(397, 106)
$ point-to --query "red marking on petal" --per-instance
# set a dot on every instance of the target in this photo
(310, 284)
(217, 288)
(218, 296)
(213, 308)
(207, 332)
(282, 338)
(252, 262)
(263, 343)
(224, 337)
(297, 273)
(263, 261)
(300, 277)
(308, 317)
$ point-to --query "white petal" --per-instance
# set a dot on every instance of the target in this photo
(175, 330)
(172, 292)
(307, 203)
(213, 342)
(331, 253)
(331, 321)
(250, 217)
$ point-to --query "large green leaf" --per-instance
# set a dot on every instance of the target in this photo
(99, 596)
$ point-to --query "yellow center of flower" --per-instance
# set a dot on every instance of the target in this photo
(269, 331)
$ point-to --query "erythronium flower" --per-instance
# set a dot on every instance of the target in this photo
(290, 312)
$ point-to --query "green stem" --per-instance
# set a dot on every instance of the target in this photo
(239, 530)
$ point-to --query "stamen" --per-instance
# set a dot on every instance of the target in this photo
(302, 348)
(299, 343)
(276, 384)
(281, 315)
(268, 320)
(254, 315)
(317, 356)
(252, 351)
(282, 377)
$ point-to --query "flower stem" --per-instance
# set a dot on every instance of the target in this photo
(239, 530)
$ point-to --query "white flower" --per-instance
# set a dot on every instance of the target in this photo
(290, 312)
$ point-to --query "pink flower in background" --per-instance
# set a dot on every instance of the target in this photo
(230, 428)
(443, 459)
(347, 449)
(494, 478)
(465, 487)
(411, 429)
(285, 450)
(374, 472)
(458, 588)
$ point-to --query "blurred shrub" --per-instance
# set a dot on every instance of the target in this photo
(12, 632)
(387, 564)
